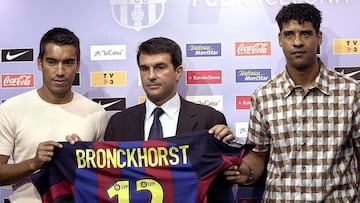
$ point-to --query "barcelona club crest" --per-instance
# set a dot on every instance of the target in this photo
(137, 14)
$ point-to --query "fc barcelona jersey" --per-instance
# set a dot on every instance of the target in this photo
(172, 170)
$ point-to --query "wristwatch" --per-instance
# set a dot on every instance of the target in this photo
(250, 178)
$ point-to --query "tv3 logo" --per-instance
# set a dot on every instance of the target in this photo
(108, 78)
(353, 44)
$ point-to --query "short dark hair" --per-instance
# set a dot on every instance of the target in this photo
(302, 12)
(160, 45)
(59, 36)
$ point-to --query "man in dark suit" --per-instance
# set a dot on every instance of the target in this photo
(128, 125)
(160, 64)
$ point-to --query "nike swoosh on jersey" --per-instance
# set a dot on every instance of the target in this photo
(350, 74)
(109, 104)
(10, 57)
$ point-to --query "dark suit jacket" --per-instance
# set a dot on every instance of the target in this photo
(128, 125)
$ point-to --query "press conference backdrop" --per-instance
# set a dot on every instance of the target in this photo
(230, 48)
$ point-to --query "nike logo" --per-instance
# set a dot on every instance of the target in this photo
(10, 57)
(350, 74)
(109, 104)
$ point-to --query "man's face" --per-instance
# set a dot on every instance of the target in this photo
(299, 43)
(159, 77)
(59, 66)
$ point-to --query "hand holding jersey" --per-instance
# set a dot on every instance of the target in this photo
(44, 153)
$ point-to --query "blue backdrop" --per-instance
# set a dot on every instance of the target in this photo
(230, 47)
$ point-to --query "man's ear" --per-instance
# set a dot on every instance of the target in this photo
(279, 39)
(78, 66)
(39, 64)
(179, 71)
(319, 35)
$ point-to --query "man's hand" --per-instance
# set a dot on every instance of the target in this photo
(250, 169)
(239, 174)
(222, 132)
(73, 138)
(44, 153)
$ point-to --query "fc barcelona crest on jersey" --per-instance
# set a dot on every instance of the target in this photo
(137, 14)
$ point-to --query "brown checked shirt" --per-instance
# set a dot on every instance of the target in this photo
(312, 137)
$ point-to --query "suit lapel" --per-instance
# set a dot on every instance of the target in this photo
(140, 120)
(187, 117)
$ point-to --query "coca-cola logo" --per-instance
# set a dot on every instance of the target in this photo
(252, 48)
(17, 80)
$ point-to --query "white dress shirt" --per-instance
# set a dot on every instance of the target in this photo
(168, 120)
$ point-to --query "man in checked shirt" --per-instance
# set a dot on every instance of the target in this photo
(305, 122)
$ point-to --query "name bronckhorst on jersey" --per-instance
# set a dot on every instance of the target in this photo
(132, 157)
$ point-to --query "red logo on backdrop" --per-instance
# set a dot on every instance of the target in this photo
(25, 80)
(243, 102)
(252, 48)
(204, 77)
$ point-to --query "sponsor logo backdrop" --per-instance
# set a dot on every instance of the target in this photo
(229, 47)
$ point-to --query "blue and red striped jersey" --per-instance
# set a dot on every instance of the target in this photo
(179, 169)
